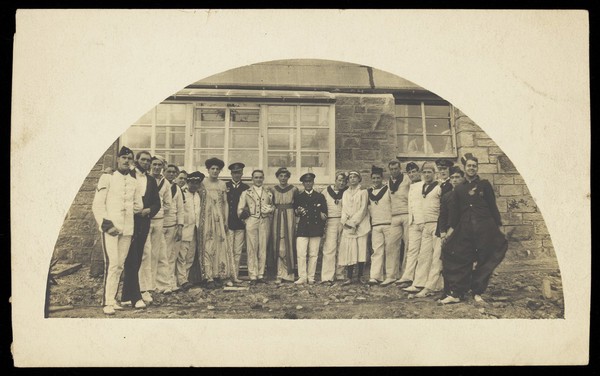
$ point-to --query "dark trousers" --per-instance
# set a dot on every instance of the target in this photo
(479, 241)
(131, 281)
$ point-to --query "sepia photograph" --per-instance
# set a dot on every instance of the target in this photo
(368, 182)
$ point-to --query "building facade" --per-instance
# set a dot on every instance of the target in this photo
(310, 116)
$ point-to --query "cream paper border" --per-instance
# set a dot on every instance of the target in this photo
(81, 77)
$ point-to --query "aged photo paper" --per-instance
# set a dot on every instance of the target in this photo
(82, 77)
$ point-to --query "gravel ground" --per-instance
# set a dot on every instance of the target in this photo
(515, 292)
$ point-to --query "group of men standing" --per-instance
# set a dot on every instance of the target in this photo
(166, 231)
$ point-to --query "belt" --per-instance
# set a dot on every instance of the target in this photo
(284, 206)
(393, 215)
(381, 224)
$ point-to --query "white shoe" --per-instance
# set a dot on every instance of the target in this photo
(478, 299)
(147, 297)
(449, 300)
(424, 293)
(301, 281)
(108, 310)
(140, 304)
(117, 307)
(411, 289)
(126, 303)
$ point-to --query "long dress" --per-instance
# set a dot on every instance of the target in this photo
(281, 253)
(217, 254)
(353, 242)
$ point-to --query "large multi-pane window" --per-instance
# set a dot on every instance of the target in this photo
(299, 138)
(262, 136)
(425, 129)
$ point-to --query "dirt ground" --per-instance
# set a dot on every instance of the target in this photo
(515, 291)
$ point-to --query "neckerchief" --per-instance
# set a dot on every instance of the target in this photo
(378, 196)
(284, 190)
(429, 188)
(162, 182)
(335, 196)
(394, 186)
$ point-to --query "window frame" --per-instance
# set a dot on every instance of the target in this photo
(422, 103)
(262, 107)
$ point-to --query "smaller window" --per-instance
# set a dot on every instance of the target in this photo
(425, 130)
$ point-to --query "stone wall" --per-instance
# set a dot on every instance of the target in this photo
(364, 131)
(522, 221)
(79, 238)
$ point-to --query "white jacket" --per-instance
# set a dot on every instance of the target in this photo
(117, 198)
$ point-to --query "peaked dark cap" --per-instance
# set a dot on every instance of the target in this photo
(444, 163)
(214, 162)
(411, 166)
(124, 151)
(237, 166)
(376, 170)
(307, 176)
(196, 175)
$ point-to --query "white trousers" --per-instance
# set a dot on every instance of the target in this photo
(115, 251)
(425, 254)
(155, 253)
(384, 253)
(415, 231)
(257, 236)
(435, 282)
(398, 232)
(329, 265)
(306, 246)
(185, 259)
(237, 240)
(165, 278)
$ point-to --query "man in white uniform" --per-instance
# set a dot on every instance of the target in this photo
(155, 249)
(115, 202)
(172, 230)
(255, 208)
(191, 224)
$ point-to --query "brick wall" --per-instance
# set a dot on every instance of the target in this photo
(523, 223)
(78, 240)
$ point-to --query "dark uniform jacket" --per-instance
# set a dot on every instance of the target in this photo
(474, 203)
(233, 199)
(442, 225)
(311, 225)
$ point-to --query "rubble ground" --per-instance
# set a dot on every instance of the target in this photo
(518, 290)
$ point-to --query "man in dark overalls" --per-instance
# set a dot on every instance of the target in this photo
(236, 227)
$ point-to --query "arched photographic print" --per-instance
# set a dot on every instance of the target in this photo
(304, 189)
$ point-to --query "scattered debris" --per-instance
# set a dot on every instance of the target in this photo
(60, 308)
(61, 270)
(234, 288)
(210, 308)
(299, 307)
(546, 288)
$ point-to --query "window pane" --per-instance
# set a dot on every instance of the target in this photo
(281, 115)
(146, 118)
(314, 160)
(138, 137)
(314, 116)
(202, 155)
(244, 118)
(248, 157)
(411, 144)
(437, 126)
(210, 117)
(441, 144)
(209, 138)
(170, 137)
(243, 138)
(281, 159)
(171, 113)
(281, 139)
(176, 157)
(409, 126)
(408, 110)
(314, 139)
(442, 111)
